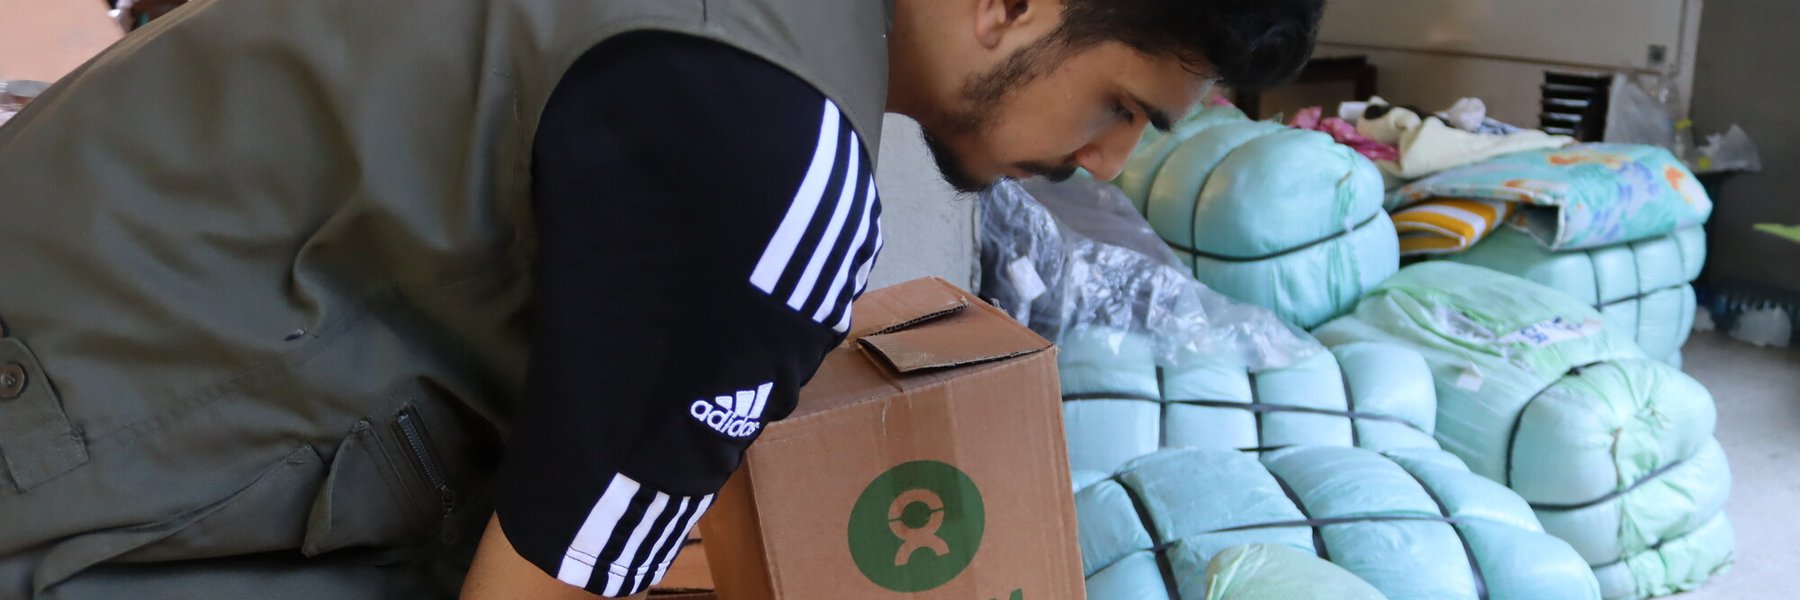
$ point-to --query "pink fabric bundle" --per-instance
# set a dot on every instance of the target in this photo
(1344, 132)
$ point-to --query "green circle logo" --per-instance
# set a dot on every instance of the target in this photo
(917, 526)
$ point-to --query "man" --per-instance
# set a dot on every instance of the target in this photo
(266, 330)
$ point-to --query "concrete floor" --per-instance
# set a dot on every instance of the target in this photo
(1758, 395)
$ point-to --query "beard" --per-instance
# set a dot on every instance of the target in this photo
(982, 95)
(956, 172)
(953, 168)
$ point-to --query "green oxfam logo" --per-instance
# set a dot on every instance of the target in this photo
(917, 526)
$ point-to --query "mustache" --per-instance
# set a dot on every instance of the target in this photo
(1056, 173)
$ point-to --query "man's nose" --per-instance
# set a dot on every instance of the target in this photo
(1105, 157)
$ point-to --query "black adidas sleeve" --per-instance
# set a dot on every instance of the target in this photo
(705, 219)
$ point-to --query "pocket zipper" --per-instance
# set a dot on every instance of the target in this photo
(411, 429)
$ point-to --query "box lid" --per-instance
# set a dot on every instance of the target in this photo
(908, 336)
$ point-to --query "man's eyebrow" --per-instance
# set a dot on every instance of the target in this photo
(1158, 118)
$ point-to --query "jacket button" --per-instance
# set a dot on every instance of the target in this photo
(12, 381)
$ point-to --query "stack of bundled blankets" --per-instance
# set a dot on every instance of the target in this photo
(1613, 449)
(1118, 404)
(1279, 217)
(1413, 524)
(1551, 389)
(1617, 226)
(1286, 218)
(1378, 505)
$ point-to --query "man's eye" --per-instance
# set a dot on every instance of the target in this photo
(1121, 112)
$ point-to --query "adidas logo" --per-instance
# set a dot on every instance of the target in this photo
(738, 416)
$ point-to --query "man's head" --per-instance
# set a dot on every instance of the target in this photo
(1014, 88)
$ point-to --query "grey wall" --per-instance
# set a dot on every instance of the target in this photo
(929, 228)
(1748, 72)
(1432, 52)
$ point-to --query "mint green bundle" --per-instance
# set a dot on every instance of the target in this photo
(1277, 572)
(1119, 404)
(1414, 524)
(1282, 218)
(1642, 287)
(1536, 390)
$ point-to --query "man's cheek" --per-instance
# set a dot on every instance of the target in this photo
(1043, 147)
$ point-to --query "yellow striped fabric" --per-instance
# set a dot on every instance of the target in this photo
(1444, 225)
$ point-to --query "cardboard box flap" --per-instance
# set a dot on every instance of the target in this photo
(905, 305)
(954, 345)
(907, 336)
(919, 325)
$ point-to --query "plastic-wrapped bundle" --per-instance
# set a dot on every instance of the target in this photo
(1641, 286)
(1277, 572)
(1119, 405)
(1282, 218)
(1612, 449)
(1154, 148)
(1067, 257)
(1247, 572)
(1413, 523)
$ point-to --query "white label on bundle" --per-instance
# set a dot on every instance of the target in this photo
(1552, 331)
(1470, 379)
(1025, 278)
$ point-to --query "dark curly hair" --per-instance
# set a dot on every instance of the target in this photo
(1245, 44)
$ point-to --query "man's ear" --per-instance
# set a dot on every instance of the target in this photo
(995, 18)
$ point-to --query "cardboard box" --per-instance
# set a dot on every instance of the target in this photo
(924, 460)
(688, 578)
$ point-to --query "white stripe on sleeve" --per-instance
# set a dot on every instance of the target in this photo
(616, 574)
(780, 251)
(836, 289)
(705, 503)
(862, 280)
(661, 547)
(579, 560)
(809, 278)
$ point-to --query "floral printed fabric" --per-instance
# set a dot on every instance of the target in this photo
(1581, 196)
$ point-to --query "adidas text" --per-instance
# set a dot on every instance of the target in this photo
(738, 415)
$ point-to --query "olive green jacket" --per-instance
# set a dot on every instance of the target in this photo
(254, 252)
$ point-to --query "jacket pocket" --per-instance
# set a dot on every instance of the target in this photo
(416, 444)
(406, 477)
(37, 442)
(267, 514)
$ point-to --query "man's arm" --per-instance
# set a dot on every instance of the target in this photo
(499, 573)
(704, 220)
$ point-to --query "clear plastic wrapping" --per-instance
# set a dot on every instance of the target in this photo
(14, 95)
(1075, 256)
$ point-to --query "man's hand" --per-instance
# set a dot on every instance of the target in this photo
(499, 573)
